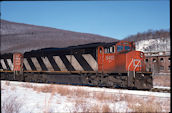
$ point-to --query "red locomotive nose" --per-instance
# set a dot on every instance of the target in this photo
(135, 61)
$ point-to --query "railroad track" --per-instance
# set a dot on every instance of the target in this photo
(161, 89)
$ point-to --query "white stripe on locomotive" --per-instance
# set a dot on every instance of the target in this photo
(28, 68)
(91, 61)
(60, 63)
(74, 63)
(10, 64)
(47, 63)
(3, 64)
(36, 63)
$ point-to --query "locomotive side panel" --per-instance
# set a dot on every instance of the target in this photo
(109, 63)
(106, 59)
(120, 62)
(62, 61)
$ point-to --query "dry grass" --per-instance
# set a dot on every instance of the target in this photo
(13, 88)
(11, 105)
(27, 85)
(143, 105)
(99, 96)
(147, 107)
(95, 108)
(106, 108)
(47, 105)
(79, 92)
(45, 89)
(108, 97)
(62, 90)
(81, 103)
(161, 80)
(102, 96)
(7, 83)
(85, 106)
(76, 92)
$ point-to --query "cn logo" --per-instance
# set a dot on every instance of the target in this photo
(109, 58)
(137, 63)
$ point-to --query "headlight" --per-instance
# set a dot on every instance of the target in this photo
(141, 55)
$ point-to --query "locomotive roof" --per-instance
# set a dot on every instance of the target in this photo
(84, 46)
(90, 45)
(52, 50)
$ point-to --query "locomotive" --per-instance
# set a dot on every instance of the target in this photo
(114, 65)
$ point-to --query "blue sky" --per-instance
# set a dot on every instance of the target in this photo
(116, 19)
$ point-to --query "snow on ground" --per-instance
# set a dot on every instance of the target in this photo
(43, 98)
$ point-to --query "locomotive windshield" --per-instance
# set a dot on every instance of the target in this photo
(127, 48)
(119, 48)
(123, 47)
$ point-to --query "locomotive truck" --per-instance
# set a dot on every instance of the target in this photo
(114, 65)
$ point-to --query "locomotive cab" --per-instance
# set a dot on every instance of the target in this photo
(123, 58)
(112, 58)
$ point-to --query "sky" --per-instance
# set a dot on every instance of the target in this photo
(115, 19)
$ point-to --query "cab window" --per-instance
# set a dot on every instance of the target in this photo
(112, 50)
(119, 48)
(127, 48)
(100, 50)
(106, 50)
(109, 50)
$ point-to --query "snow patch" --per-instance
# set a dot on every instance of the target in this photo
(38, 102)
(159, 44)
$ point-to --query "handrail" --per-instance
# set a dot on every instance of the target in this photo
(130, 65)
(136, 67)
